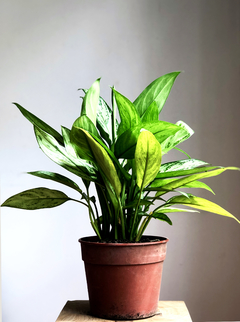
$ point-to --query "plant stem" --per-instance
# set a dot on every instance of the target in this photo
(135, 215)
(104, 209)
(79, 202)
(113, 117)
(122, 219)
(98, 218)
(143, 226)
(91, 217)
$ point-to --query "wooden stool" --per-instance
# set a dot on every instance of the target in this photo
(169, 311)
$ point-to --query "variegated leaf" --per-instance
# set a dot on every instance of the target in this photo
(58, 154)
(90, 101)
(37, 198)
(172, 141)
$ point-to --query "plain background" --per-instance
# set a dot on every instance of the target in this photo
(50, 48)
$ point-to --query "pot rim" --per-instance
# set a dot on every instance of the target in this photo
(93, 240)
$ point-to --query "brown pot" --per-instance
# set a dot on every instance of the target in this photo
(123, 279)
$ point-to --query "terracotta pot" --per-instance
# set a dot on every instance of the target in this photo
(123, 279)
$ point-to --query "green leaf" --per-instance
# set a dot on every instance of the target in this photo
(58, 154)
(69, 148)
(157, 184)
(180, 150)
(80, 144)
(57, 178)
(186, 180)
(177, 138)
(104, 162)
(133, 204)
(37, 198)
(156, 215)
(151, 113)
(172, 209)
(200, 203)
(111, 194)
(147, 158)
(181, 173)
(162, 216)
(126, 144)
(198, 184)
(128, 114)
(39, 123)
(180, 165)
(90, 101)
(67, 143)
(84, 122)
(157, 91)
(104, 121)
(114, 159)
(78, 139)
(71, 153)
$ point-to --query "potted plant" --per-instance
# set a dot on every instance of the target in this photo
(124, 160)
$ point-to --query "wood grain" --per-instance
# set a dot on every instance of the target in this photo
(169, 311)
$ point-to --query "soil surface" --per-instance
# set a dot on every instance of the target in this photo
(144, 239)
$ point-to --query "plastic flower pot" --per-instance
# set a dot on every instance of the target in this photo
(123, 279)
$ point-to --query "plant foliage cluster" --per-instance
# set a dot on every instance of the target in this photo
(124, 162)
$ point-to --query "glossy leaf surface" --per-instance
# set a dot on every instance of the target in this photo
(128, 114)
(67, 142)
(158, 183)
(157, 91)
(186, 180)
(58, 154)
(85, 123)
(161, 216)
(177, 138)
(181, 173)
(202, 204)
(104, 122)
(180, 165)
(147, 158)
(80, 144)
(104, 162)
(126, 143)
(151, 113)
(173, 209)
(90, 101)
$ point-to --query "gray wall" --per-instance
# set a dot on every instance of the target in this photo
(49, 49)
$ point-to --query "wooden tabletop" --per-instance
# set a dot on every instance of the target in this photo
(169, 311)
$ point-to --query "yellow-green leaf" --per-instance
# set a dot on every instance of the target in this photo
(202, 204)
(184, 181)
(147, 158)
(104, 162)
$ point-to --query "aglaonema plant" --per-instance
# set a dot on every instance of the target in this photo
(124, 160)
